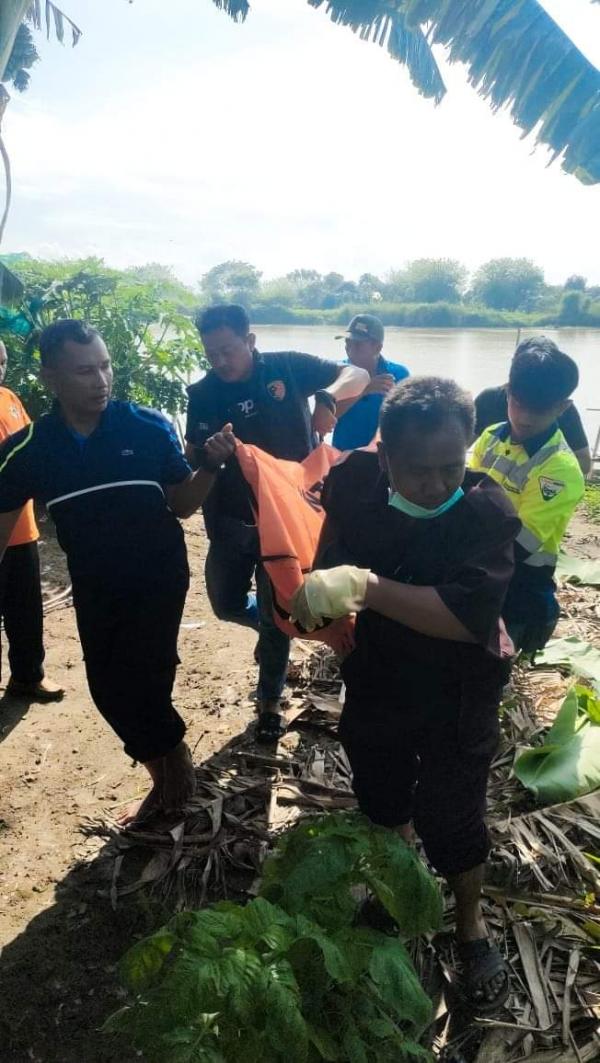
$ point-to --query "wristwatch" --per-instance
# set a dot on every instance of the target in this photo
(325, 399)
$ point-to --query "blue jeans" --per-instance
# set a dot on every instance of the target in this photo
(233, 559)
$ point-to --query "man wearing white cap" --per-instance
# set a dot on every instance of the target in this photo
(358, 418)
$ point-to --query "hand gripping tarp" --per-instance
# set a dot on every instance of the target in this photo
(286, 501)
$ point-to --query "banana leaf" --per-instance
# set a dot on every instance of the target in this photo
(384, 23)
(579, 570)
(567, 765)
(580, 657)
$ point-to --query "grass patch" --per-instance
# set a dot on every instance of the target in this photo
(591, 502)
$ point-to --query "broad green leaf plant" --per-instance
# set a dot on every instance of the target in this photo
(567, 765)
(289, 976)
(574, 654)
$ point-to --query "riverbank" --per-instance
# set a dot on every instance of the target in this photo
(426, 315)
(63, 771)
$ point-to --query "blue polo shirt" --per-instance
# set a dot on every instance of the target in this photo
(104, 493)
(358, 426)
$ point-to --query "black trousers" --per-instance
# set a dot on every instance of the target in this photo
(429, 765)
(22, 613)
(129, 641)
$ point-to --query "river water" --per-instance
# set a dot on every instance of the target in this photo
(476, 358)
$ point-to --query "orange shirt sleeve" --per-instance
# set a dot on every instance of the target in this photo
(13, 417)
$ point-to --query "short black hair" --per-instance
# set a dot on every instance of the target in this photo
(54, 337)
(541, 375)
(425, 403)
(224, 315)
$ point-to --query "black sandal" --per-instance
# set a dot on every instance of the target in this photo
(270, 727)
(482, 962)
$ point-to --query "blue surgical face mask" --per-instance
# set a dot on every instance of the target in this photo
(411, 509)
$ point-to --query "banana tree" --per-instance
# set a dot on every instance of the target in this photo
(516, 56)
(17, 53)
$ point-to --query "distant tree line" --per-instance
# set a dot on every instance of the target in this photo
(424, 291)
(437, 293)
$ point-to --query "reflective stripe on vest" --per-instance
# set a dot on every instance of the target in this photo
(517, 473)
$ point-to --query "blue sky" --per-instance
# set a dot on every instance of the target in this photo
(172, 134)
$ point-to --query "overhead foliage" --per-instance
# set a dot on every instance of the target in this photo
(41, 14)
(54, 20)
(23, 56)
(517, 56)
(386, 24)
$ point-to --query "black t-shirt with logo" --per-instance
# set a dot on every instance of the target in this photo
(491, 407)
(270, 410)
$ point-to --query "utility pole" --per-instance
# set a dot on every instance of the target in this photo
(12, 13)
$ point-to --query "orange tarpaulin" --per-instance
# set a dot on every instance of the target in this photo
(286, 500)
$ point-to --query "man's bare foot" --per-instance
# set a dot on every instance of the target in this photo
(179, 778)
(44, 690)
(174, 782)
(138, 812)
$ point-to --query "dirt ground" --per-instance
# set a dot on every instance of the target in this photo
(61, 767)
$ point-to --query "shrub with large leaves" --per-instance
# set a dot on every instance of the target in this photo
(567, 765)
(258, 982)
(147, 327)
(315, 866)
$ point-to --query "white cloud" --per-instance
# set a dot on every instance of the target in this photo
(285, 142)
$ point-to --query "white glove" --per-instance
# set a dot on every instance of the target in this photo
(329, 593)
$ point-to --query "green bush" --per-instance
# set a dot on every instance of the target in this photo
(291, 980)
(408, 315)
(151, 337)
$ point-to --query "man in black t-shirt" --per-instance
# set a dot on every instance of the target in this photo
(423, 552)
(491, 407)
(263, 400)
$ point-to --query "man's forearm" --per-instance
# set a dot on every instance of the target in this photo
(349, 384)
(185, 498)
(344, 405)
(419, 608)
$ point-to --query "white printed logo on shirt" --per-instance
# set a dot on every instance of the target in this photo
(247, 407)
(550, 488)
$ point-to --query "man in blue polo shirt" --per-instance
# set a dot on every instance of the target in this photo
(358, 418)
(114, 480)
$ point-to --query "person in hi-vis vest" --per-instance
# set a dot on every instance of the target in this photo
(529, 456)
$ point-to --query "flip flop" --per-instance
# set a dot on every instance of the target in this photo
(481, 961)
(270, 727)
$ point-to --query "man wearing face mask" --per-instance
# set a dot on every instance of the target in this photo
(423, 553)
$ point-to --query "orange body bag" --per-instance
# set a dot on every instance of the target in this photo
(286, 502)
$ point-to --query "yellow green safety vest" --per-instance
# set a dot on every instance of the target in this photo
(543, 481)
